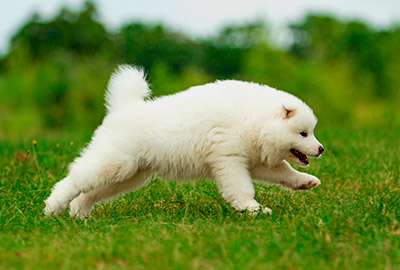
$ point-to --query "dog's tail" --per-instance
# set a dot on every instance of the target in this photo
(127, 84)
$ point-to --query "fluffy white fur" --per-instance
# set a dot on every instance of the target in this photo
(231, 131)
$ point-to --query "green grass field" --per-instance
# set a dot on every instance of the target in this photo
(351, 221)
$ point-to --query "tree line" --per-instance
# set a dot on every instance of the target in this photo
(54, 73)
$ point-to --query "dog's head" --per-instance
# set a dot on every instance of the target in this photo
(297, 123)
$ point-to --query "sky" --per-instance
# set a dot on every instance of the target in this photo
(200, 17)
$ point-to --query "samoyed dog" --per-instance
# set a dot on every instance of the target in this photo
(232, 131)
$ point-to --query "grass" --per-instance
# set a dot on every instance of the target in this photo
(351, 221)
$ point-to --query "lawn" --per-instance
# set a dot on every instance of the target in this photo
(351, 221)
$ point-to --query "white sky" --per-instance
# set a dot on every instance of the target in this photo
(199, 17)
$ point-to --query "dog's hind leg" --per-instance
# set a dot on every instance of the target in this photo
(83, 204)
(88, 172)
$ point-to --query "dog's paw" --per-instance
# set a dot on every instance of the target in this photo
(254, 208)
(309, 183)
(267, 211)
(261, 209)
(79, 207)
(53, 207)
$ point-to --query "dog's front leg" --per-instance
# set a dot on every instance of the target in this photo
(235, 185)
(284, 175)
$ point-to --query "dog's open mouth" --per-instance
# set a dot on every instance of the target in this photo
(302, 157)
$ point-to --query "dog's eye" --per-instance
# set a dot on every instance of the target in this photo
(303, 133)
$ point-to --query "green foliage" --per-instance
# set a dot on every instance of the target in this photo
(53, 78)
(147, 45)
(351, 221)
(369, 52)
(76, 33)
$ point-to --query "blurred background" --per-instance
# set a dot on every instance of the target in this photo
(341, 57)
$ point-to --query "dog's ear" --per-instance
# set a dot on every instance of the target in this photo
(289, 110)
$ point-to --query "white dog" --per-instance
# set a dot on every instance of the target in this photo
(231, 131)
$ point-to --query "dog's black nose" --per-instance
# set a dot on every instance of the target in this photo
(321, 149)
